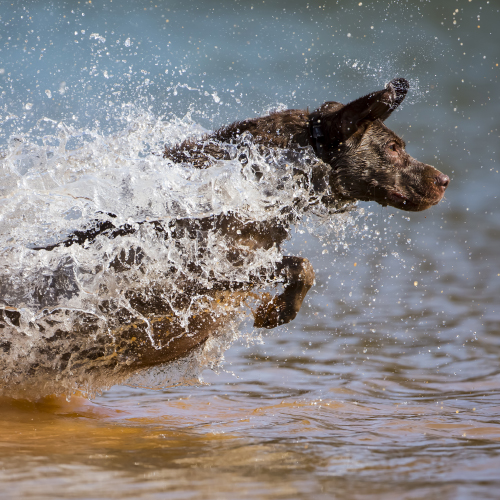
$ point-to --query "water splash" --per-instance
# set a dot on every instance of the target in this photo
(70, 315)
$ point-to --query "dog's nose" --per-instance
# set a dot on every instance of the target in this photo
(442, 180)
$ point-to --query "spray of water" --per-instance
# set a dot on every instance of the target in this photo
(74, 316)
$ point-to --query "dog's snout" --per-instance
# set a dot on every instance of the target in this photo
(442, 180)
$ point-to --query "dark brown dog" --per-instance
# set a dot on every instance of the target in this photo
(359, 158)
(367, 161)
(355, 157)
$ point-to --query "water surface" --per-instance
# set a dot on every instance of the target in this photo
(387, 384)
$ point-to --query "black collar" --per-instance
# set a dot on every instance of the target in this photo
(317, 136)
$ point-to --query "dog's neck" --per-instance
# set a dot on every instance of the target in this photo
(292, 130)
(317, 137)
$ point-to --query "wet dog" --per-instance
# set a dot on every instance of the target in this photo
(354, 157)
(358, 158)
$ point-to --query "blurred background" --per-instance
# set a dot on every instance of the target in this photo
(405, 311)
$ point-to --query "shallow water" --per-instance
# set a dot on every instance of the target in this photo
(387, 384)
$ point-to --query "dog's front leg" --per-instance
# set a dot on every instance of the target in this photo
(299, 277)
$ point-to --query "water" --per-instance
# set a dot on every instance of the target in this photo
(387, 383)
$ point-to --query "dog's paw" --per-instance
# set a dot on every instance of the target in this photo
(270, 313)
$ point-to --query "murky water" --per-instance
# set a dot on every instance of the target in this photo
(387, 384)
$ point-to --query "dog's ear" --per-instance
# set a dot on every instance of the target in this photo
(376, 106)
(399, 87)
(344, 122)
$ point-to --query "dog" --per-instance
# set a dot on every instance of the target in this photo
(358, 159)
(351, 156)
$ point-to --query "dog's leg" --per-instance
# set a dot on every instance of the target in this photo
(299, 277)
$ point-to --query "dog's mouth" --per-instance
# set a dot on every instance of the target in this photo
(414, 204)
(399, 200)
(397, 197)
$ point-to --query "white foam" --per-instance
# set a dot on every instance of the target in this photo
(55, 185)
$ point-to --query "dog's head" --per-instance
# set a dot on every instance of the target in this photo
(368, 160)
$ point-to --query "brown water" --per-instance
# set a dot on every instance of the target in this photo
(133, 445)
(360, 439)
(387, 385)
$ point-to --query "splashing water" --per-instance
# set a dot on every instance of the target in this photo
(72, 316)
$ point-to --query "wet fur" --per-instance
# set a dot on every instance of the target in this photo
(357, 158)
